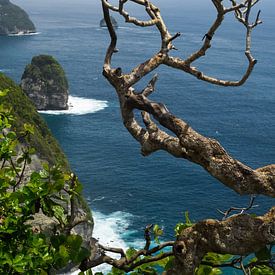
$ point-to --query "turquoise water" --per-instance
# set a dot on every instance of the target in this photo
(125, 190)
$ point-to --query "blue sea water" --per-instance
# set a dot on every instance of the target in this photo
(125, 190)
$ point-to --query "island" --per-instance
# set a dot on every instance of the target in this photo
(45, 83)
(14, 20)
(104, 25)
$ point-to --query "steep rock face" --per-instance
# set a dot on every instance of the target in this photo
(45, 83)
(14, 20)
(47, 149)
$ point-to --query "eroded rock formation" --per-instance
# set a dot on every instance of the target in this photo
(45, 83)
(14, 20)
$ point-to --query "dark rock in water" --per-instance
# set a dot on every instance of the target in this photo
(104, 25)
(45, 83)
(14, 20)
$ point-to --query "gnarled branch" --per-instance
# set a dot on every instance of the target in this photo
(181, 141)
(239, 235)
(186, 143)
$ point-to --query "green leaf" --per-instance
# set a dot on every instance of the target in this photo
(63, 251)
(170, 263)
(187, 219)
(74, 241)
(58, 240)
(116, 271)
(130, 252)
(82, 254)
(263, 254)
(29, 128)
(157, 231)
(59, 213)
(4, 92)
(207, 270)
(262, 270)
(216, 258)
(11, 135)
(182, 226)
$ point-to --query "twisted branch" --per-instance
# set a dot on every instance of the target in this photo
(127, 264)
(239, 235)
(183, 142)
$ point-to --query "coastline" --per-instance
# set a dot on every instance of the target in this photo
(21, 33)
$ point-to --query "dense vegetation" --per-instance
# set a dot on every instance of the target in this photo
(25, 112)
(46, 68)
(24, 248)
(13, 19)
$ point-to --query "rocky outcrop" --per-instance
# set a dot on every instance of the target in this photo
(45, 83)
(14, 20)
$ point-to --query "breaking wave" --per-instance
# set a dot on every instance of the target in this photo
(24, 34)
(79, 106)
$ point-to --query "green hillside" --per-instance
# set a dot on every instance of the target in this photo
(13, 19)
(24, 111)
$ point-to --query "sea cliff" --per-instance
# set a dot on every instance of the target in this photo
(14, 20)
(47, 150)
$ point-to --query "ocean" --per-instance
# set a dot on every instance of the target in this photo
(125, 190)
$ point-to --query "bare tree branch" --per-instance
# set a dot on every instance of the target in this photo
(239, 234)
(125, 263)
(239, 209)
(186, 143)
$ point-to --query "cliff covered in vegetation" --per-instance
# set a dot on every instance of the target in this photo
(45, 83)
(24, 112)
(14, 20)
(47, 150)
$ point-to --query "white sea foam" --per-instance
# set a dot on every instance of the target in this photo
(113, 230)
(24, 34)
(99, 198)
(110, 230)
(80, 106)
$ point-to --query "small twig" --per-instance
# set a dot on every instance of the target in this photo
(3, 163)
(239, 209)
(150, 87)
(178, 34)
(72, 200)
(21, 175)
(147, 236)
(112, 46)
(113, 250)
(13, 167)
(128, 264)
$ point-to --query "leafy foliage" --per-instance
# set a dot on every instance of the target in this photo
(181, 226)
(23, 111)
(25, 248)
(212, 263)
(46, 68)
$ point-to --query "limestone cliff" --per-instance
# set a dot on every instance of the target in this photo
(45, 83)
(14, 20)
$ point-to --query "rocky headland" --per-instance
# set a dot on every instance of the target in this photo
(45, 83)
(14, 20)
